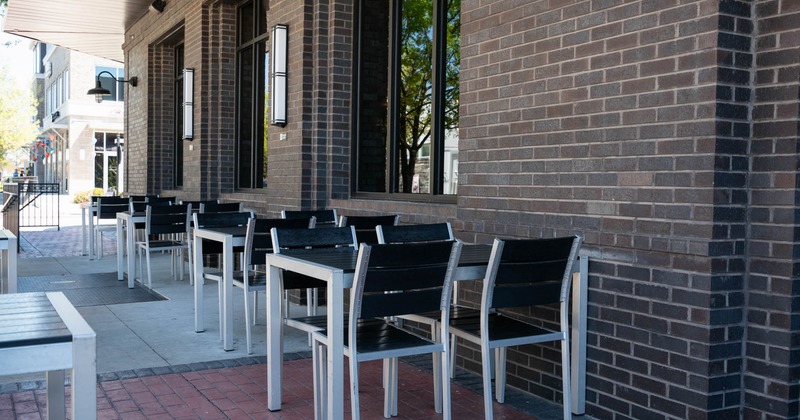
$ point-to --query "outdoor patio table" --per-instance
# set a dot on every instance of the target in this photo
(126, 232)
(44, 332)
(8, 245)
(337, 268)
(229, 237)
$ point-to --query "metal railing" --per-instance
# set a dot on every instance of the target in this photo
(30, 204)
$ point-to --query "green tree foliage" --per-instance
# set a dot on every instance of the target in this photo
(18, 125)
(416, 76)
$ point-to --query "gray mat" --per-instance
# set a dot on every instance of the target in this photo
(89, 289)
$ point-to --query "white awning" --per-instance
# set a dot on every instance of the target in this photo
(95, 27)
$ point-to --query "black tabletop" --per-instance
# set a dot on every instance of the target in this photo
(345, 258)
(29, 319)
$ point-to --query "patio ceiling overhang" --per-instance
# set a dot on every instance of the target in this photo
(94, 27)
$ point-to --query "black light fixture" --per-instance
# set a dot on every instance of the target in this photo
(158, 6)
(99, 91)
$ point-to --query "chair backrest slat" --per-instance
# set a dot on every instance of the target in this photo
(325, 218)
(141, 197)
(368, 222)
(417, 277)
(108, 207)
(285, 238)
(259, 241)
(221, 207)
(415, 233)
(366, 225)
(529, 272)
(167, 219)
(211, 220)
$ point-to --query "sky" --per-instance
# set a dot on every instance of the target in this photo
(16, 59)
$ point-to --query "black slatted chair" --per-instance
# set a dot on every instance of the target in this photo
(197, 203)
(253, 278)
(325, 218)
(392, 280)
(430, 232)
(283, 239)
(522, 274)
(365, 225)
(107, 209)
(166, 229)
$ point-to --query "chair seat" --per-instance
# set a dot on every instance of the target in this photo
(456, 312)
(256, 280)
(167, 244)
(385, 340)
(502, 328)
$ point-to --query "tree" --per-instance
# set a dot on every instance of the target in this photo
(415, 84)
(18, 125)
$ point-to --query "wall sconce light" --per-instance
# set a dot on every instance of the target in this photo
(99, 91)
(157, 6)
(280, 45)
(188, 103)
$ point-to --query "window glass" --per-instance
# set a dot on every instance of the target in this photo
(407, 111)
(251, 74)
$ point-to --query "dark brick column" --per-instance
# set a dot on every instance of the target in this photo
(772, 354)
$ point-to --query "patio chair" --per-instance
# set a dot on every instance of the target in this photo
(166, 229)
(365, 225)
(283, 239)
(430, 232)
(197, 203)
(142, 197)
(141, 207)
(158, 201)
(325, 218)
(107, 209)
(392, 280)
(253, 277)
(221, 207)
(523, 274)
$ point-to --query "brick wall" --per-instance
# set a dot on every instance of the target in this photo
(770, 380)
(625, 122)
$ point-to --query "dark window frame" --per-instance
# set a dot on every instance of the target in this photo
(438, 82)
(250, 154)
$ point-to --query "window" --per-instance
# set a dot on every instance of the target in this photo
(407, 109)
(251, 60)
(48, 101)
(59, 92)
(178, 113)
(106, 163)
(66, 85)
(116, 89)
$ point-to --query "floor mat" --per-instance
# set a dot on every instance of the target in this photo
(89, 289)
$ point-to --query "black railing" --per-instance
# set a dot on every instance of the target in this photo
(30, 204)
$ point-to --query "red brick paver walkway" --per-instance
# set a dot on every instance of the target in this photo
(240, 393)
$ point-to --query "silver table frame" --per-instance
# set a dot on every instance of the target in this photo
(337, 280)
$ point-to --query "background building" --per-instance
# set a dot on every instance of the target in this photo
(82, 141)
